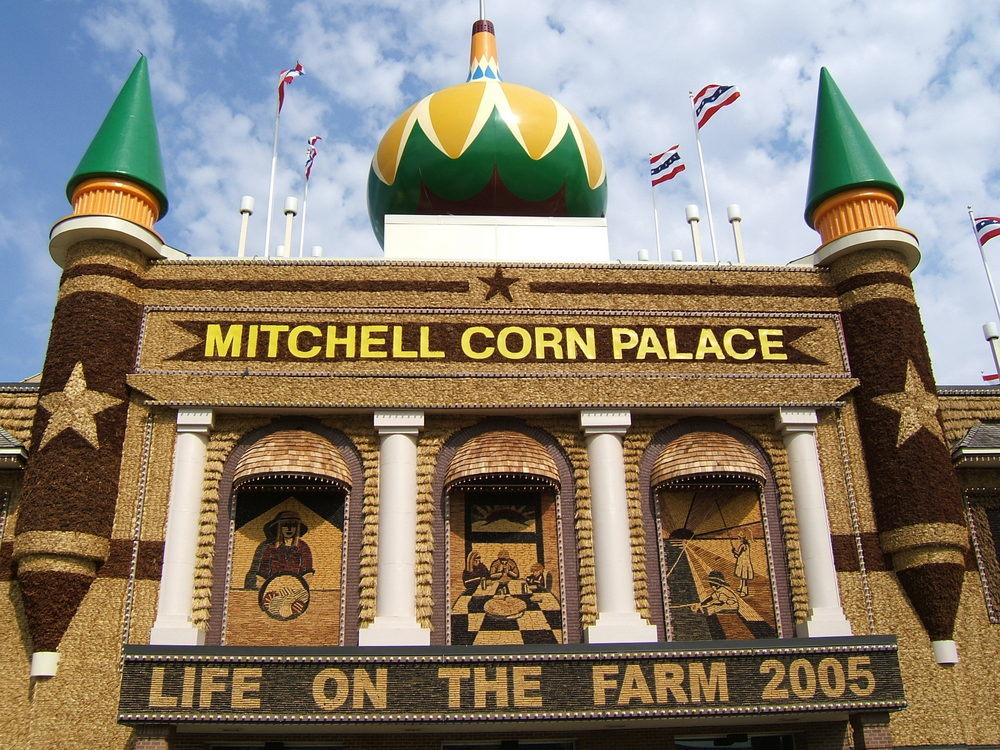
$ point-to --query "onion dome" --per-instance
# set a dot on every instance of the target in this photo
(486, 148)
(126, 146)
(843, 156)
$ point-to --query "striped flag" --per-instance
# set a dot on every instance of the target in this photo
(711, 99)
(987, 227)
(665, 166)
(311, 152)
(287, 76)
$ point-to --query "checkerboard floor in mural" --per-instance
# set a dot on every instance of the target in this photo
(540, 620)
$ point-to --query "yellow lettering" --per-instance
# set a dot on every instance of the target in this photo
(650, 344)
(156, 697)
(600, 674)
(348, 341)
(252, 340)
(217, 345)
(376, 692)
(634, 686)
(713, 686)
(547, 337)
(767, 345)
(672, 346)
(585, 343)
(398, 351)
(708, 344)
(668, 681)
(622, 339)
(468, 351)
(369, 339)
(323, 678)
(272, 330)
(187, 687)
(484, 685)
(727, 343)
(293, 342)
(211, 683)
(246, 680)
(425, 345)
(454, 675)
(527, 683)
(507, 333)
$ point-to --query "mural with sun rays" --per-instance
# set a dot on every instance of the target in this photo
(715, 566)
(504, 564)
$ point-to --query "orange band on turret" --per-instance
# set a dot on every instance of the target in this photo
(109, 197)
(855, 211)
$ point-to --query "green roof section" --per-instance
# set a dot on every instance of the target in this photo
(843, 156)
(127, 145)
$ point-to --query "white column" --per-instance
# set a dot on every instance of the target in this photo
(826, 616)
(396, 590)
(618, 621)
(173, 626)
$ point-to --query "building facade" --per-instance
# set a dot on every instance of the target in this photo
(493, 490)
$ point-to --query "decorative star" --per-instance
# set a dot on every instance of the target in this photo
(499, 284)
(916, 407)
(74, 408)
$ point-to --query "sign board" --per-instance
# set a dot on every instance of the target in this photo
(475, 684)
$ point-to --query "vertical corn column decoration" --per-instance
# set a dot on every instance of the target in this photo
(70, 487)
(852, 202)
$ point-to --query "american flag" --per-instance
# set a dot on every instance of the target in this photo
(987, 227)
(287, 76)
(311, 154)
(665, 166)
(711, 99)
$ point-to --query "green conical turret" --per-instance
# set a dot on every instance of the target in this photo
(843, 156)
(126, 145)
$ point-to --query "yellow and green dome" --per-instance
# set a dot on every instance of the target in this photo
(486, 148)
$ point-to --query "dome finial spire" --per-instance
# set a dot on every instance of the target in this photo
(483, 59)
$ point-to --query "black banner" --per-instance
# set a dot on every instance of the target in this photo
(475, 684)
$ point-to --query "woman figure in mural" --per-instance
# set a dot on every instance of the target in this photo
(503, 570)
(475, 574)
(744, 565)
(284, 551)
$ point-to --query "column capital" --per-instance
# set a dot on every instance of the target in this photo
(796, 419)
(611, 421)
(195, 419)
(398, 421)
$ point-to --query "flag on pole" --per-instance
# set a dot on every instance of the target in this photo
(287, 76)
(987, 227)
(311, 154)
(711, 99)
(665, 166)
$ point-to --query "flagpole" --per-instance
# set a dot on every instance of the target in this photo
(656, 219)
(982, 254)
(302, 226)
(270, 190)
(704, 177)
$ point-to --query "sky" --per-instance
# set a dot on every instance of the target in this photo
(923, 78)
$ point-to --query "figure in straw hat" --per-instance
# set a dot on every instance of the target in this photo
(285, 551)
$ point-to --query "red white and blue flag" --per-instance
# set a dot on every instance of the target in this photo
(665, 166)
(987, 227)
(287, 76)
(711, 99)
(311, 154)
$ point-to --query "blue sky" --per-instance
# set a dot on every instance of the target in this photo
(924, 79)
